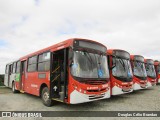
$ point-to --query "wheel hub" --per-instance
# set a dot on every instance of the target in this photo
(45, 96)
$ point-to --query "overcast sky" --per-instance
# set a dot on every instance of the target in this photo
(29, 25)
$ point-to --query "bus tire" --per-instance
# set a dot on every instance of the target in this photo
(13, 88)
(45, 97)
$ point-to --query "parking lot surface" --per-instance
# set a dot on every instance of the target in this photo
(142, 100)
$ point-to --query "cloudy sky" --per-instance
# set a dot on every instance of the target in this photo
(29, 25)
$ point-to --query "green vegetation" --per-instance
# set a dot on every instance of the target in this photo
(1, 80)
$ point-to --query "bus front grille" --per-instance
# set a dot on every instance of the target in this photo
(96, 90)
(95, 82)
(93, 97)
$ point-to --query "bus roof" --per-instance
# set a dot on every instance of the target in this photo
(133, 56)
(156, 63)
(149, 61)
(110, 51)
(58, 46)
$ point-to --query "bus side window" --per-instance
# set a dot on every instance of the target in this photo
(18, 67)
(32, 64)
(7, 66)
(14, 68)
(44, 62)
(11, 68)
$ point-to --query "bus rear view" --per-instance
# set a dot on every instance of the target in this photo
(139, 72)
(120, 72)
(151, 74)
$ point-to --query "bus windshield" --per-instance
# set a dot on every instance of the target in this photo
(139, 69)
(122, 69)
(150, 70)
(89, 65)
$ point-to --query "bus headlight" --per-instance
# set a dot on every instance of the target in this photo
(80, 90)
(74, 86)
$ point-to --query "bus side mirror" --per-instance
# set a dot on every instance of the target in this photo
(70, 63)
(112, 67)
(70, 56)
(114, 62)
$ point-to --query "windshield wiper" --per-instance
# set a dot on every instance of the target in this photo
(99, 62)
(100, 71)
(128, 68)
(139, 67)
(89, 58)
(143, 69)
(122, 63)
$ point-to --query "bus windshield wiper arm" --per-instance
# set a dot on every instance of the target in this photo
(122, 63)
(89, 58)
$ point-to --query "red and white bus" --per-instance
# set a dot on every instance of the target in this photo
(157, 69)
(139, 72)
(73, 71)
(121, 76)
(151, 74)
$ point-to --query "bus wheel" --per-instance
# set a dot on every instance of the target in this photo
(45, 97)
(13, 88)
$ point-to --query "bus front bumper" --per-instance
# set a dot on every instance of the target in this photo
(77, 97)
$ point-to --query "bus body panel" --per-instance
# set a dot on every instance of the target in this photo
(9, 77)
(150, 81)
(6, 80)
(158, 78)
(118, 90)
(77, 97)
(31, 82)
(118, 87)
(137, 82)
(80, 92)
(12, 78)
(6, 76)
(157, 66)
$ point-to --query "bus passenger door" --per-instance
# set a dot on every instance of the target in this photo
(58, 73)
(10, 76)
(23, 75)
(8, 73)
